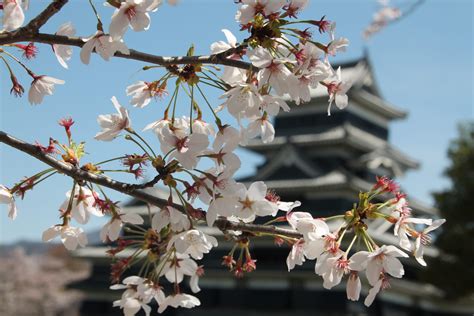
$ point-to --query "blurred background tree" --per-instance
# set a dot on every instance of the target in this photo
(453, 270)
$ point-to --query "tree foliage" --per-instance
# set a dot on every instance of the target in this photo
(456, 205)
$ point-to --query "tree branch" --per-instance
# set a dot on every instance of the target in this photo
(219, 59)
(129, 189)
(41, 19)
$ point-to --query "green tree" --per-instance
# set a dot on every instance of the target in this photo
(453, 270)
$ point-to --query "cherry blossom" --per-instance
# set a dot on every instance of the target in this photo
(63, 52)
(353, 287)
(82, 206)
(143, 92)
(6, 197)
(193, 242)
(103, 45)
(186, 148)
(401, 229)
(231, 75)
(111, 230)
(337, 90)
(295, 6)
(251, 202)
(383, 259)
(381, 284)
(333, 269)
(222, 154)
(296, 255)
(133, 13)
(71, 237)
(242, 99)
(202, 127)
(424, 238)
(250, 8)
(113, 124)
(272, 104)
(137, 295)
(176, 268)
(273, 71)
(41, 86)
(168, 215)
(13, 16)
(261, 126)
(179, 300)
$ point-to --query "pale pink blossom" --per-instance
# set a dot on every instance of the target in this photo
(261, 126)
(168, 215)
(423, 239)
(251, 202)
(337, 90)
(224, 158)
(177, 267)
(103, 45)
(383, 259)
(295, 6)
(113, 124)
(401, 229)
(71, 237)
(231, 75)
(83, 205)
(138, 293)
(193, 242)
(243, 99)
(353, 287)
(381, 284)
(133, 13)
(202, 127)
(250, 8)
(111, 230)
(272, 104)
(13, 16)
(6, 197)
(337, 45)
(186, 148)
(142, 94)
(63, 53)
(179, 300)
(41, 86)
(296, 255)
(273, 71)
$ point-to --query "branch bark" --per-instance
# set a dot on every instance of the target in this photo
(29, 33)
(130, 189)
(35, 24)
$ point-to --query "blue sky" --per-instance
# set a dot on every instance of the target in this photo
(423, 64)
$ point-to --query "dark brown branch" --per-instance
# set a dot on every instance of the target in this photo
(219, 59)
(129, 189)
(224, 225)
(30, 33)
(35, 24)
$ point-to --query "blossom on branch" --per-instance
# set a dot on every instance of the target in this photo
(133, 13)
(6, 197)
(13, 16)
(41, 86)
(103, 45)
(71, 237)
(64, 52)
(113, 124)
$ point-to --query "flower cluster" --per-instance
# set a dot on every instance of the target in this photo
(283, 64)
(380, 262)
